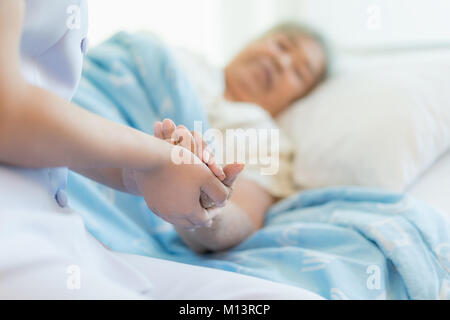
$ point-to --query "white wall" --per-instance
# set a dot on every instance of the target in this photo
(245, 20)
(219, 28)
(194, 24)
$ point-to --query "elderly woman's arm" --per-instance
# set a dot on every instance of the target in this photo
(244, 214)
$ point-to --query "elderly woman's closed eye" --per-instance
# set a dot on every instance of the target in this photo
(277, 69)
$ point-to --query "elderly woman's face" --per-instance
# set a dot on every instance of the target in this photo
(275, 71)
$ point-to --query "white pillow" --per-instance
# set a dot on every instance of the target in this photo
(380, 127)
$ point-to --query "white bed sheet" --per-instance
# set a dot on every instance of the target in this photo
(434, 186)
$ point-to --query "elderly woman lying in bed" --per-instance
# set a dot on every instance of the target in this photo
(264, 79)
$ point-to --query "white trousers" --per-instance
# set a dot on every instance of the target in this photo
(46, 253)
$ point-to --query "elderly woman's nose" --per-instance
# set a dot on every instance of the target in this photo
(285, 60)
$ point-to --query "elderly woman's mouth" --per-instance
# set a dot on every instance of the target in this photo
(264, 74)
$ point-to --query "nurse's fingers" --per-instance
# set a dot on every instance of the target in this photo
(183, 223)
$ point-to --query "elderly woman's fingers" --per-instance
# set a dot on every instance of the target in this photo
(187, 140)
(169, 128)
(200, 146)
(158, 130)
(183, 223)
(207, 156)
(216, 169)
(232, 172)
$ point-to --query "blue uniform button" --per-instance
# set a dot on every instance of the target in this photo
(84, 45)
(61, 198)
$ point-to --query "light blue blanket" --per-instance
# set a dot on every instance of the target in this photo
(340, 243)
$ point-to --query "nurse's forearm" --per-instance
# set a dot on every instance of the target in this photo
(108, 177)
(39, 129)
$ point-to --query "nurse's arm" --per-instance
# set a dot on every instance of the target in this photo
(39, 130)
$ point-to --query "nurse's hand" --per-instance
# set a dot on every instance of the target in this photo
(173, 189)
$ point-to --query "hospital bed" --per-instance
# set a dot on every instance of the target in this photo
(317, 240)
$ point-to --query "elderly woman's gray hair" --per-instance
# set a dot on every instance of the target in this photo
(295, 29)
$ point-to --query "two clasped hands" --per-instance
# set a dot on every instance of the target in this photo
(188, 194)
